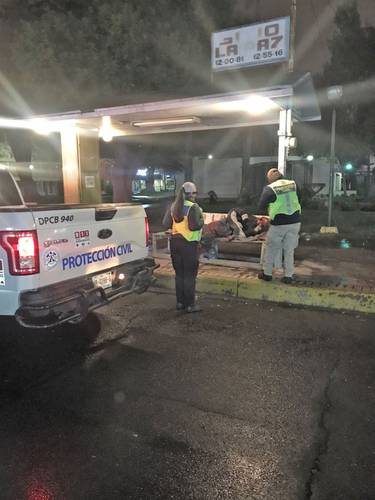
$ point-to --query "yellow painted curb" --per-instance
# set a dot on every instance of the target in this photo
(308, 296)
(206, 283)
(221, 286)
(165, 280)
(234, 285)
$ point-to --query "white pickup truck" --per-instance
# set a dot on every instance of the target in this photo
(59, 262)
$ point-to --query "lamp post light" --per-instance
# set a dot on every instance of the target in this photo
(334, 94)
(348, 168)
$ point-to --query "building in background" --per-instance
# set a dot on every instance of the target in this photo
(146, 181)
(230, 180)
(221, 175)
(40, 182)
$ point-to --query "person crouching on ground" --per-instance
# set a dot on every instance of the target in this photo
(185, 218)
(280, 200)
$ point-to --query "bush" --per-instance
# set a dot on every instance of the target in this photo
(346, 203)
(316, 204)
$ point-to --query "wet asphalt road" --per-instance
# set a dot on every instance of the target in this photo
(243, 401)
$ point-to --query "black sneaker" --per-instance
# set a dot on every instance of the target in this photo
(265, 277)
(180, 306)
(287, 280)
(193, 309)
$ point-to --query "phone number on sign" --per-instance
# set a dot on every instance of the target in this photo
(267, 54)
(229, 60)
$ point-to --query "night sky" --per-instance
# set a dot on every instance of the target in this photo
(314, 24)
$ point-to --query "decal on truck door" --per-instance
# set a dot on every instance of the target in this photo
(83, 259)
(49, 243)
(82, 238)
(51, 258)
(2, 276)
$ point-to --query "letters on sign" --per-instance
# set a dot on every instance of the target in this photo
(83, 259)
(257, 44)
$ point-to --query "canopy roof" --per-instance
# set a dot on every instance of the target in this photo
(225, 110)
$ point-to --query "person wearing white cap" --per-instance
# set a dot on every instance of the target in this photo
(185, 219)
(280, 200)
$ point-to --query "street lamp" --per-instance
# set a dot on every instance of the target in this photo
(334, 94)
(348, 167)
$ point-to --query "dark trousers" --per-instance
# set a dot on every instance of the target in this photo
(185, 263)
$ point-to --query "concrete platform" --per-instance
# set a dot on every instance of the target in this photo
(329, 284)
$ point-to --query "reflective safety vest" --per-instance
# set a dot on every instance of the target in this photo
(286, 202)
(183, 226)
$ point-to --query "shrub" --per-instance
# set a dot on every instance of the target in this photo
(346, 203)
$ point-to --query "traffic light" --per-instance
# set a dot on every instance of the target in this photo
(348, 167)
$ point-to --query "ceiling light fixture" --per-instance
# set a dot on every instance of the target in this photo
(165, 122)
(106, 130)
(253, 104)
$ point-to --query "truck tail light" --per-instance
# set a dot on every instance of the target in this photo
(147, 227)
(22, 250)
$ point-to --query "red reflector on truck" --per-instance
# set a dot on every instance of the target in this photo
(22, 251)
(147, 227)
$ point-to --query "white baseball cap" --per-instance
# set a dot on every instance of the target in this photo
(189, 187)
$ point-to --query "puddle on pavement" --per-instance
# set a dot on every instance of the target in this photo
(338, 242)
(345, 244)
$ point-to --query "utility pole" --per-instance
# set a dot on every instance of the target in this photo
(332, 168)
(292, 47)
(334, 94)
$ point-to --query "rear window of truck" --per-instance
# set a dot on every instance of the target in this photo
(9, 195)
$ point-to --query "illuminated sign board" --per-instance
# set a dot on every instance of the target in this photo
(253, 45)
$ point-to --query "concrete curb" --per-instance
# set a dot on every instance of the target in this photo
(234, 283)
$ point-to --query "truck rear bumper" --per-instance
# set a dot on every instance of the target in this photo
(72, 300)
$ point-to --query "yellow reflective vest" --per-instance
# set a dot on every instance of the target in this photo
(286, 202)
(183, 226)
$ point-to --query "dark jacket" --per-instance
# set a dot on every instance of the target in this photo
(268, 196)
(195, 218)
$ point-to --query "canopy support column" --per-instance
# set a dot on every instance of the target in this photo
(284, 133)
(70, 165)
(80, 166)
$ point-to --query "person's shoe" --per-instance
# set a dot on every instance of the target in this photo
(265, 277)
(193, 309)
(180, 306)
(287, 280)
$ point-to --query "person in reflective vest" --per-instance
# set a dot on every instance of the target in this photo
(280, 200)
(185, 220)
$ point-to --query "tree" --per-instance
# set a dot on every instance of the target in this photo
(14, 10)
(68, 54)
(57, 55)
(64, 58)
(64, 54)
(352, 50)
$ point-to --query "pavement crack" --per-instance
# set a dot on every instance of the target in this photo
(324, 433)
(199, 408)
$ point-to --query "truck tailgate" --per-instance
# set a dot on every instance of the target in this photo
(78, 240)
